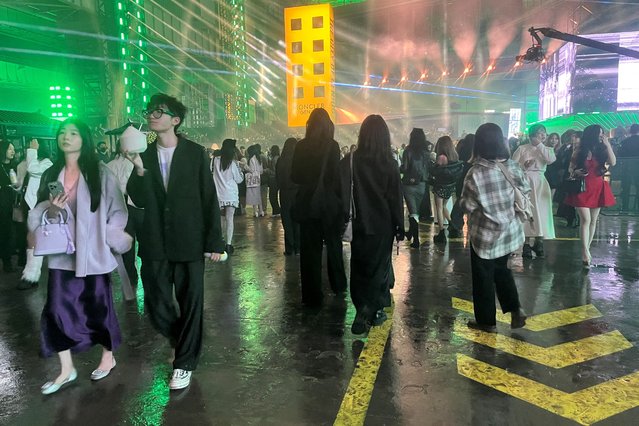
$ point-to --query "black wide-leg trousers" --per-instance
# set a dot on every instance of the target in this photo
(312, 238)
(183, 328)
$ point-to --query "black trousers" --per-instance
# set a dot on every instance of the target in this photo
(183, 329)
(312, 237)
(7, 234)
(490, 275)
(273, 192)
(134, 225)
(291, 228)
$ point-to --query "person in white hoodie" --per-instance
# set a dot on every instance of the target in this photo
(37, 162)
(227, 175)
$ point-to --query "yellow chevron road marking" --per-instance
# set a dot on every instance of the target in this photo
(558, 356)
(586, 406)
(354, 406)
(540, 322)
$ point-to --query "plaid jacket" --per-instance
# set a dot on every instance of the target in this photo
(489, 200)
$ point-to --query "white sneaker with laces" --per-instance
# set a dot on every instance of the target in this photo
(180, 379)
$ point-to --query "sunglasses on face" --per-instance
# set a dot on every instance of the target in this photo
(157, 113)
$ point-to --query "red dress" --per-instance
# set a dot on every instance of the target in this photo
(597, 193)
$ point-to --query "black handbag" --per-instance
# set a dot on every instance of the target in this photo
(574, 186)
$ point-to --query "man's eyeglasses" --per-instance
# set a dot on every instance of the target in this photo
(157, 113)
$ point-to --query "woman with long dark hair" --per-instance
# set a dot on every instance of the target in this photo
(414, 171)
(318, 208)
(493, 228)
(8, 193)
(288, 191)
(589, 162)
(378, 219)
(227, 176)
(446, 171)
(79, 309)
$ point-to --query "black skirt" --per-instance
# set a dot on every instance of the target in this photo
(372, 274)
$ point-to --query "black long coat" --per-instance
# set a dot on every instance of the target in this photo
(182, 222)
(305, 171)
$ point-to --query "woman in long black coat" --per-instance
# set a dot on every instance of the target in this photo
(378, 219)
(319, 213)
(288, 191)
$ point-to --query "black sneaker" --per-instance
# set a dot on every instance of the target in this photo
(229, 249)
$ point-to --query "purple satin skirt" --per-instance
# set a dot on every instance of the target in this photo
(78, 314)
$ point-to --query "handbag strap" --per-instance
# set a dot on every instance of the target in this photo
(507, 174)
(352, 203)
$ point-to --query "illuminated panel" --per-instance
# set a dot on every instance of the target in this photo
(310, 49)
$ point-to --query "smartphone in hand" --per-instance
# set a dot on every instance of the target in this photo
(55, 188)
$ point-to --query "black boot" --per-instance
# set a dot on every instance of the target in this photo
(413, 230)
(440, 238)
(538, 248)
(526, 253)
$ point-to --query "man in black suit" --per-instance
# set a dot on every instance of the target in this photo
(172, 182)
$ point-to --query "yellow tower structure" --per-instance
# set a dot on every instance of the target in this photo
(310, 49)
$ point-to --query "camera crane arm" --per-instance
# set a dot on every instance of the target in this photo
(553, 33)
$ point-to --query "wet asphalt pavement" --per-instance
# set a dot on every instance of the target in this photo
(268, 361)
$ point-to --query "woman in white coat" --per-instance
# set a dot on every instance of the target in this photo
(227, 175)
(533, 159)
(37, 162)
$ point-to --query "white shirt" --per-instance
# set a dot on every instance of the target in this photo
(165, 157)
(122, 169)
(35, 168)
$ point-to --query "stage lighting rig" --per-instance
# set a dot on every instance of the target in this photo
(535, 53)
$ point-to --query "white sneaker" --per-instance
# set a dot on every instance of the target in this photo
(180, 379)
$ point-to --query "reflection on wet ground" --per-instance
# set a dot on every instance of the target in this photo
(268, 361)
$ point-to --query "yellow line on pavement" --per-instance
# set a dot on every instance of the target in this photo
(558, 356)
(585, 407)
(540, 322)
(354, 406)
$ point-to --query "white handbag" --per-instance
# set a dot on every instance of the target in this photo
(53, 237)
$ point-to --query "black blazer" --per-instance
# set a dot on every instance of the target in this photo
(182, 222)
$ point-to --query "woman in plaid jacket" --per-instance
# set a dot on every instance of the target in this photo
(493, 228)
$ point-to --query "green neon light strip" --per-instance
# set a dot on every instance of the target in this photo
(607, 120)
